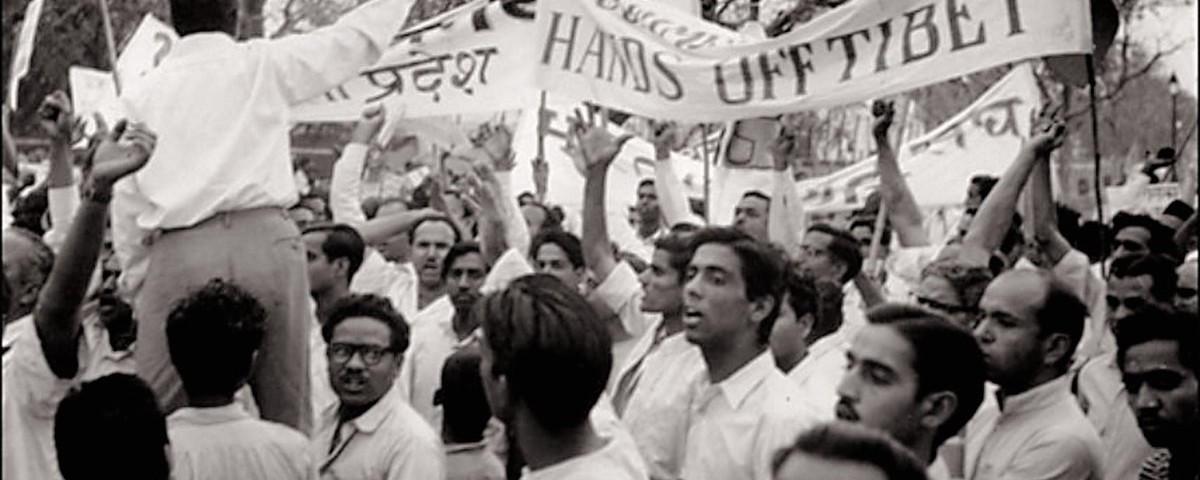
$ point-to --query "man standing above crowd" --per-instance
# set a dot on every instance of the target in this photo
(221, 111)
(1034, 429)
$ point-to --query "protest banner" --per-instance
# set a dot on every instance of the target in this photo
(642, 58)
(148, 46)
(476, 57)
(93, 91)
(982, 139)
(24, 51)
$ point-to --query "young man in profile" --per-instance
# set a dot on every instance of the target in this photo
(546, 360)
(1031, 325)
(915, 375)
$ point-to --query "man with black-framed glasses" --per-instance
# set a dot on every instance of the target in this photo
(371, 432)
(1136, 283)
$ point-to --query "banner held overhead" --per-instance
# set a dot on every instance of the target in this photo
(646, 59)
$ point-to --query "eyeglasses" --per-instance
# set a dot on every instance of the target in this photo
(1160, 379)
(343, 352)
(952, 309)
(1132, 303)
(1130, 246)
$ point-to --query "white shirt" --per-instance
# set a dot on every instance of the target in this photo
(1039, 434)
(432, 341)
(318, 367)
(396, 282)
(31, 392)
(655, 412)
(617, 460)
(738, 424)
(388, 441)
(622, 292)
(226, 442)
(221, 110)
(821, 370)
(1102, 398)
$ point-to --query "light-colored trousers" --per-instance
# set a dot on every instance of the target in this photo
(259, 250)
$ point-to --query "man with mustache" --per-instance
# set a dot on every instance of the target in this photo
(914, 374)
(1160, 365)
(432, 342)
(371, 431)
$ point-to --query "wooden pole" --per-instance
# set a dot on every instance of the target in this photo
(1097, 184)
(112, 44)
(708, 208)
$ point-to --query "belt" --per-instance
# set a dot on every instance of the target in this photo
(226, 218)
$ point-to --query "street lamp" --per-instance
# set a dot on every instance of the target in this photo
(1173, 89)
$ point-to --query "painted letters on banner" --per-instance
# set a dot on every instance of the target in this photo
(475, 58)
(983, 139)
(639, 57)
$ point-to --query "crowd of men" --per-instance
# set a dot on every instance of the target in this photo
(175, 309)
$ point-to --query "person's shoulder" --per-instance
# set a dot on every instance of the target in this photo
(409, 427)
(281, 434)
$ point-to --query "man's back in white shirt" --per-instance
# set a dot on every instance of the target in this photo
(618, 459)
(226, 442)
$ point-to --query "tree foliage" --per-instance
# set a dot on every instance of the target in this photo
(69, 33)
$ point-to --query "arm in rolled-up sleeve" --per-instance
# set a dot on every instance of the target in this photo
(345, 185)
(313, 63)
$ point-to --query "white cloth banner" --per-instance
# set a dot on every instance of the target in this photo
(24, 50)
(150, 43)
(643, 58)
(983, 139)
(93, 91)
(475, 58)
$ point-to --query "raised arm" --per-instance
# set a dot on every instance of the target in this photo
(1045, 218)
(503, 225)
(6, 138)
(672, 201)
(994, 218)
(58, 121)
(313, 63)
(56, 316)
(345, 184)
(902, 211)
(597, 148)
(786, 217)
